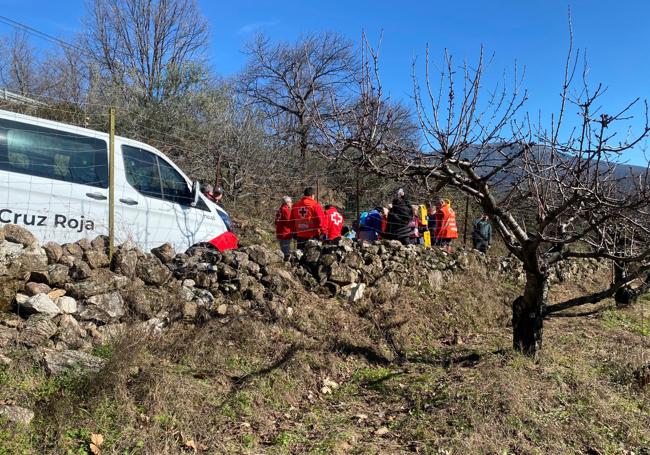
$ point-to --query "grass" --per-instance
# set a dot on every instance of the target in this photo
(428, 372)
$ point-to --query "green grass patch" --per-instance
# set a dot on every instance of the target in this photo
(629, 322)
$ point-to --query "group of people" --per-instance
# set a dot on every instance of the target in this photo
(306, 220)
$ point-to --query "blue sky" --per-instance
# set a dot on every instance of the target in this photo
(534, 33)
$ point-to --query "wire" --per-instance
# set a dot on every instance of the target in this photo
(40, 34)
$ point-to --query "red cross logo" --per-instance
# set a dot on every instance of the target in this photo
(336, 218)
(303, 212)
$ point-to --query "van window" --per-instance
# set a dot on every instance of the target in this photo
(154, 177)
(174, 186)
(53, 154)
(142, 172)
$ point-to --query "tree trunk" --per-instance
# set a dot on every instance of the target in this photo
(528, 314)
(625, 295)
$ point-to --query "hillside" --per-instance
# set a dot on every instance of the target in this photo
(378, 349)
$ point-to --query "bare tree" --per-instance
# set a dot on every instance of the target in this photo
(563, 179)
(19, 65)
(292, 83)
(152, 50)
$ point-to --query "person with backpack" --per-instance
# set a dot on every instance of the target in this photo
(370, 225)
(482, 234)
(307, 219)
(399, 217)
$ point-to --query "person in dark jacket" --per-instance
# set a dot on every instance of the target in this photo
(482, 234)
(399, 217)
(371, 228)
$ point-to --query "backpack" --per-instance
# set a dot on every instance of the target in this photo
(362, 218)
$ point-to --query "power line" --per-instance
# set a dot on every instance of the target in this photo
(35, 32)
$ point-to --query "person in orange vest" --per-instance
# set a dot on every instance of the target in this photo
(307, 219)
(283, 231)
(445, 229)
(333, 223)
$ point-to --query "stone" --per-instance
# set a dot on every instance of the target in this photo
(152, 271)
(40, 303)
(9, 250)
(66, 304)
(226, 272)
(189, 310)
(56, 293)
(353, 291)
(101, 282)
(21, 298)
(38, 329)
(100, 243)
(342, 274)
(70, 332)
(80, 270)
(103, 308)
(124, 262)
(108, 333)
(53, 251)
(96, 259)
(18, 234)
(84, 244)
(73, 249)
(147, 302)
(17, 414)
(11, 320)
(32, 259)
(37, 288)
(186, 294)
(59, 274)
(263, 256)
(222, 309)
(311, 256)
(60, 362)
(67, 260)
(7, 335)
(254, 291)
(4, 360)
(164, 252)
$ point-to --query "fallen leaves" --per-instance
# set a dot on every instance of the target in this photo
(96, 441)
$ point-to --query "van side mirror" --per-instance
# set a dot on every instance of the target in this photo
(196, 191)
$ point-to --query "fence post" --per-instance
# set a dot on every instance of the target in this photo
(111, 182)
(357, 197)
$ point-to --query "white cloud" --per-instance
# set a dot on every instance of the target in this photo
(255, 26)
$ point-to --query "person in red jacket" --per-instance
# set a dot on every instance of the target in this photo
(333, 223)
(307, 219)
(446, 229)
(283, 231)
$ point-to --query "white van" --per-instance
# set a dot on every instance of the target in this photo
(54, 181)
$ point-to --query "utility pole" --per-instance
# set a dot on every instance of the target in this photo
(111, 182)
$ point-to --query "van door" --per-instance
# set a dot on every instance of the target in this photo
(155, 204)
(53, 182)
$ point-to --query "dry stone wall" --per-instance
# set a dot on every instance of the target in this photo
(62, 301)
